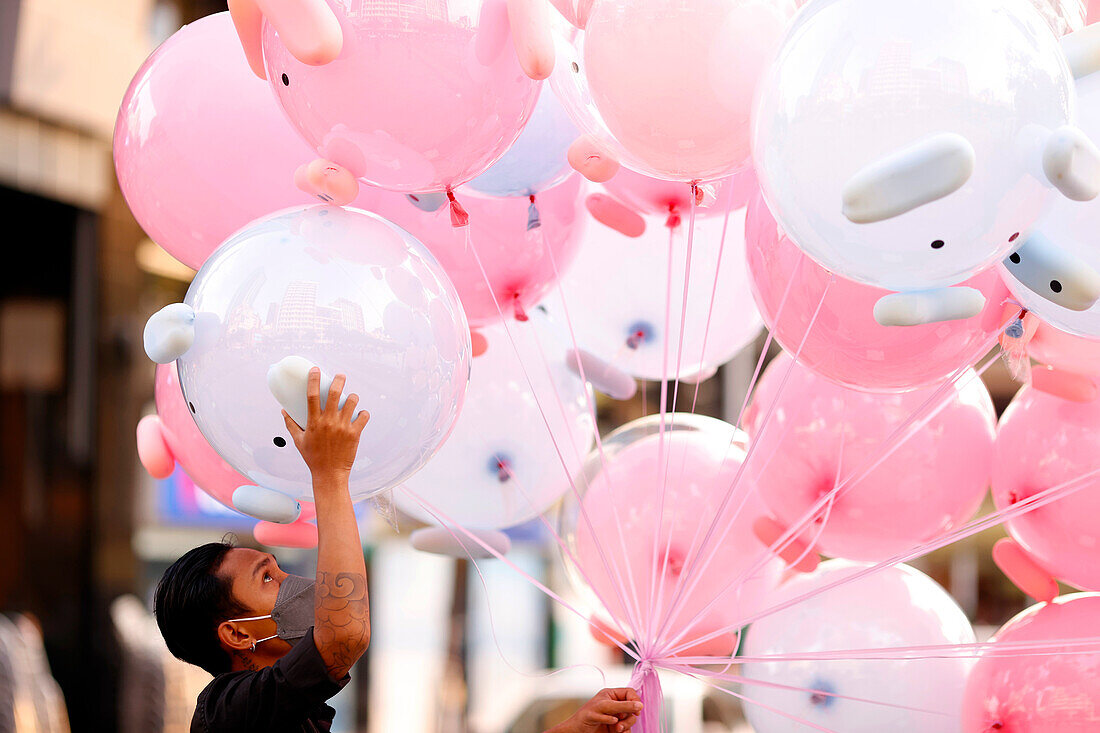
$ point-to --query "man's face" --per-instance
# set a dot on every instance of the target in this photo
(255, 578)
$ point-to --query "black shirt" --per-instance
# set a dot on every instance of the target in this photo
(288, 696)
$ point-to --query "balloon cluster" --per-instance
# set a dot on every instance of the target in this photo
(891, 188)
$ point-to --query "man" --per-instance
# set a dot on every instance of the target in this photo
(280, 646)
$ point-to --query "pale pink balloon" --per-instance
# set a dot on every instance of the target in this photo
(1044, 442)
(821, 434)
(648, 195)
(201, 148)
(674, 82)
(1051, 687)
(1061, 350)
(521, 265)
(423, 96)
(623, 503)
(845, 343)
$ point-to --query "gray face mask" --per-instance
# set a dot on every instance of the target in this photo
(293, 611)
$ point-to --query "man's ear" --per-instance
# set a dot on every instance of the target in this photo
(234, 637)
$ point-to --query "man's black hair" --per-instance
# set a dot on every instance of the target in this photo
(190, 601)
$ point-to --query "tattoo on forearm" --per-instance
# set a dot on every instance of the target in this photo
(342, 611)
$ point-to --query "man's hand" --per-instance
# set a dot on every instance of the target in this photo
(331, 436)
(610, 711)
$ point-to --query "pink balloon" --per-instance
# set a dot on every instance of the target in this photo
(623, 502)
(522, 265)
(653, 196)
(200, 146)
(845, 342)
(821, 433)
(423, 96)
(1053, 687)
(674, 82)
(1043, 442)
(1061, 350)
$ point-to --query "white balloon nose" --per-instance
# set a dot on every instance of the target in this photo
(613, 382)
(441, 541)
(288, 380)
(913, 176)
(928, 306)
(169, 333)
(266, 504)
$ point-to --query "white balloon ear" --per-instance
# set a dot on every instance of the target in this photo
(1071, 162)
(266, 504)
(928, 306)
(913, 176)
(169, 333)
(288, 380)
(1082, 50)
(1051, 272)
(605, 378)
(440, 541)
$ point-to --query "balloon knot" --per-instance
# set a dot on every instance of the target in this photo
(634, 340)
(518, 310)
(673, 219)
(459, 217)
(533, 220)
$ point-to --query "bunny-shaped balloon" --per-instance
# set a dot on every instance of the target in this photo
(171, 436)
(407, 96)
(924, 144)
(337, 288)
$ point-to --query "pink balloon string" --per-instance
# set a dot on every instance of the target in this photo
(612, 569)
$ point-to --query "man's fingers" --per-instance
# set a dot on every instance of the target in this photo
(334, 391)
(313, 393)
(361, 420)
(627, 724)
(348, 411)
(618, 707)
(600, 719)
(622, 693)
(294, 428)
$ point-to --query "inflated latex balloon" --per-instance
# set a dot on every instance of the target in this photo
(502, 466)
(667, 88)
(200, 146)
(617, 291)
(1044, 286)
(647, 195)
(337, 288)
(422, 97)
(1039, 676)
(821, 434)
(1043, 442)
(907, 157)
(1061, 351)
(843, 341)
(521, 263)
(893, 607)
(537, 160)
(618, 517)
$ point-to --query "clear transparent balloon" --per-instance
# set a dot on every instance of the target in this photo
(351, 293)
(1071, 226)
(523, 434)
(634, 570)
(893, 607)
(858, 80)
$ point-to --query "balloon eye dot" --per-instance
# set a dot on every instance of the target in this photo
(1014, 258)
(576, 67)
(938, 244)
(1056, 286)
(286, 80)
(192, 406)
(1014, 237)
(279, 441)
